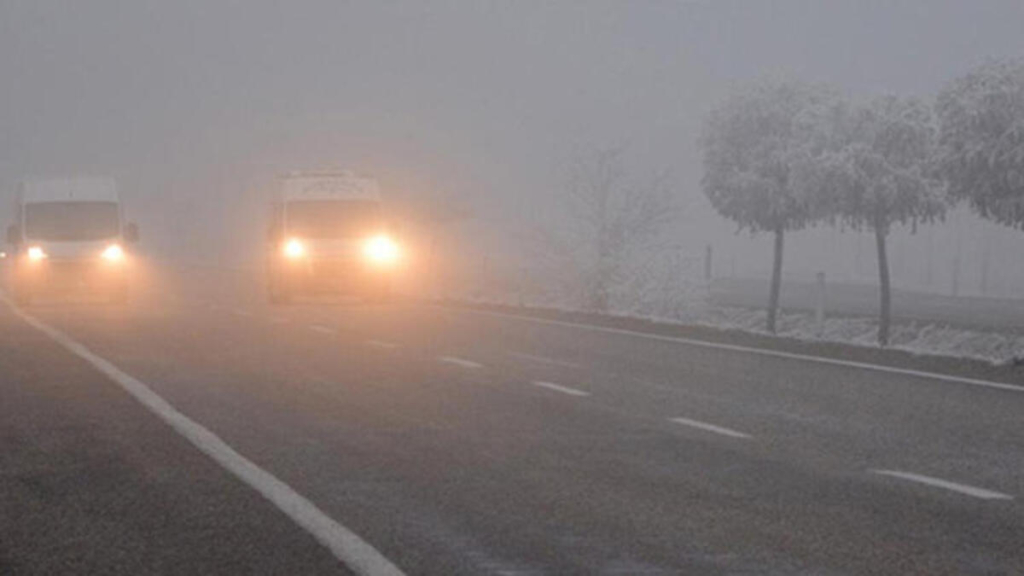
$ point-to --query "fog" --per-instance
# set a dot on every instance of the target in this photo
(476, 107)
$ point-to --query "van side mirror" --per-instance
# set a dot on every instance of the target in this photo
(131, 233)
(13, 234)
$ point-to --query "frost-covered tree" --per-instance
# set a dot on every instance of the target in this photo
(616, 219)
(607, 231)
(876, 175)
(981, 123)
(754, 145)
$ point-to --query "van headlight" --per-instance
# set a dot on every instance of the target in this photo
(381, 250)
(113, 253)
(36, 253)
(294, 248)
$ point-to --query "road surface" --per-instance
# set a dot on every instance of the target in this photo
(456, 442)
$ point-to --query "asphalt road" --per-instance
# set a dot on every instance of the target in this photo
(459, 442)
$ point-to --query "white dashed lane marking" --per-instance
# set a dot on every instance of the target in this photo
(322, 329)
(460, 362)
(544, 360)
(381, 344)
(560, 388)
(939, 483)
(710, 427)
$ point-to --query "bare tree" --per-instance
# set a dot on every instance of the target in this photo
(754, 144)
(615, 221)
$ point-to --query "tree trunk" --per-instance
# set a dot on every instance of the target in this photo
(773, 297)
(885, 312)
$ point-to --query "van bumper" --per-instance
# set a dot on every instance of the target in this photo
(69, 275)
(337, 275)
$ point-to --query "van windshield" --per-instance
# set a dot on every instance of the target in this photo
(332, 218)
(71, 221)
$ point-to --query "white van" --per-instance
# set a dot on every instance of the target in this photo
(69, 233)
(328, 233)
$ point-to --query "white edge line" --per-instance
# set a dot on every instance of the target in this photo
(760, 351)
(560, 388)
(460, 362)
(710, 427)
(322, 329)
(940, 483)
(346, 546)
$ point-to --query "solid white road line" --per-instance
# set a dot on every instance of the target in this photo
(544, 360)
(939, 483)
(460, 362)
(322, 329)
(758, 351)
(710, 427)
(346, 546)
(382, 344)
(560, 388)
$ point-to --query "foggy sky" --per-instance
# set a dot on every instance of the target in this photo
(194, 105)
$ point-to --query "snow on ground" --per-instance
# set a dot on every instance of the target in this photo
(917, 338)
(692, 308)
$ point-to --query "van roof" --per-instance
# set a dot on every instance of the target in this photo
(341, 185)
(85, 189)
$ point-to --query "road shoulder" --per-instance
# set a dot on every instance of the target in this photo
(91, 483)
(854, 356)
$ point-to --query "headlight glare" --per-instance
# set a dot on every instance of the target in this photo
(381, 250)
(294, 248)
(113, 253)
(36, 253)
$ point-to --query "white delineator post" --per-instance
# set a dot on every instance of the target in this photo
(708, 254)
(819, 305)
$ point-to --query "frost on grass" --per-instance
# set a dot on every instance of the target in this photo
(670, 298)
(918, 338)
